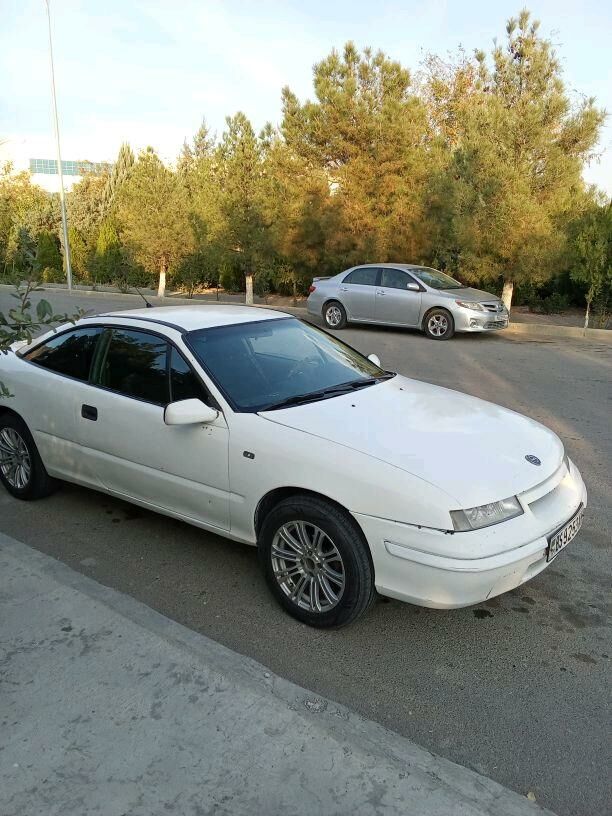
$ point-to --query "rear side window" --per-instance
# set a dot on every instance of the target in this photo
(366, 276)
(134, 364)
(183, 382)
(69, 353)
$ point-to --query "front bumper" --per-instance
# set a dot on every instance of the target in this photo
(446, 570)
(467, 320)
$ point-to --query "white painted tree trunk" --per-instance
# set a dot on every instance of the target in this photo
(161, 289)
(507, 293)
(249, 288)
(586, 316)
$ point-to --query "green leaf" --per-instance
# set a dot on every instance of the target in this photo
(43, 309)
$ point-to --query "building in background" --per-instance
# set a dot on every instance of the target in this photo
(44, 172)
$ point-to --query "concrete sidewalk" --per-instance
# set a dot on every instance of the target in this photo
(108, 707)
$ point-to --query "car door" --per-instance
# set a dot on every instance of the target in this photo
(180, 469)
(357, 292)
(395, 303)
(49, 390)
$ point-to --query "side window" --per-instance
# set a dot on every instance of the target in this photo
(395, 279)
(184, 384)
(69, 353)
(134, 364)
(366, 276)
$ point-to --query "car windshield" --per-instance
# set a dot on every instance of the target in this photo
(278, 363)
(436, 279)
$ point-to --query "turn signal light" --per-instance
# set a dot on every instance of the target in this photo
(311, 288)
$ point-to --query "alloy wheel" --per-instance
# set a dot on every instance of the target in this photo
(15, 461)
(437, 325)
(333, 315)
(308, 566)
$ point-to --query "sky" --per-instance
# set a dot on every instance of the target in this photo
(148, 71)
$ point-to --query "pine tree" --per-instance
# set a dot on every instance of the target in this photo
(153, 217)
(367, 131)
(240, 163)
(517, 148)
(118, 176)
(48, 255)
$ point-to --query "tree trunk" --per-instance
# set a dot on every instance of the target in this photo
(294, 284)
(249, 288)
(161, 289)
(586, 315)
(507, 293)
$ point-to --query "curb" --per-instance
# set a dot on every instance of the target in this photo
(537, 330)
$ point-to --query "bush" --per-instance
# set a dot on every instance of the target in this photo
(553, 304)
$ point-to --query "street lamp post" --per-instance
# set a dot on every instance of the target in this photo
(59, 158)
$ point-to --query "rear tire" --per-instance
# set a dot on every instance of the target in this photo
(316, 562)
(334, 315)
(439, 324)
(21, 469)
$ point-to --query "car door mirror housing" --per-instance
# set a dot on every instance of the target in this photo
(413, 287)
(374, 358)
(189, 412)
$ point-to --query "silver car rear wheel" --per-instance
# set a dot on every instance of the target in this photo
(334, 315)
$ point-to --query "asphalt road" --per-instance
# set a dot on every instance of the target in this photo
(517, 688)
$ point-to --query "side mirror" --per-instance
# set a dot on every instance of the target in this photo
(373, 358)
(189, 412)
(413, 287)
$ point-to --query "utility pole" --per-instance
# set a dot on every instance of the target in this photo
(59, 158)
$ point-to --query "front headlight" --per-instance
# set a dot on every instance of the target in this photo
(487, 514)
(475, 307)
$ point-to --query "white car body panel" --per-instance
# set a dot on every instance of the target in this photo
(399, 456)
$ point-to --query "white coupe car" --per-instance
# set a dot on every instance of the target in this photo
(264, 429)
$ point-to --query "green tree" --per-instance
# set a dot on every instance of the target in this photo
(108, 258)
(240, 163)
(367, 130)
(153, 218)
(48, 261)
(516, 151)
(117, 177)
(592, 256)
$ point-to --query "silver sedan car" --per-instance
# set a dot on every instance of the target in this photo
(405, 295)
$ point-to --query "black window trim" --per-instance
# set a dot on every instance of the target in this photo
(108, 326)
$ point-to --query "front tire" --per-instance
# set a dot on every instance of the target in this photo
(439, 324)
(316, 562)
(21, 469)
(334, 315)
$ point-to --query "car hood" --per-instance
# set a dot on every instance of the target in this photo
(468, 294)
(471, 449)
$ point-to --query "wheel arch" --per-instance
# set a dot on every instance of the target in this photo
(4, 409)
(269, 501)
(433, 309)
(333, 299)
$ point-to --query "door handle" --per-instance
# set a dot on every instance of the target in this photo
(89, 412)
(380, 292)
(344, 288)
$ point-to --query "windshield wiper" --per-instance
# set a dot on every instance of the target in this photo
(326, 393)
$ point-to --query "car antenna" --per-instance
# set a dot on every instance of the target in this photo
(149, 305)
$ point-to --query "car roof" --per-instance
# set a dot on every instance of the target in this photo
(201, 316)
(393, 266)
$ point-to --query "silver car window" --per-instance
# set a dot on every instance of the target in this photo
(365, 276)
(395, 278)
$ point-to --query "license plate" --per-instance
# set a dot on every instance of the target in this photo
(559, 540)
